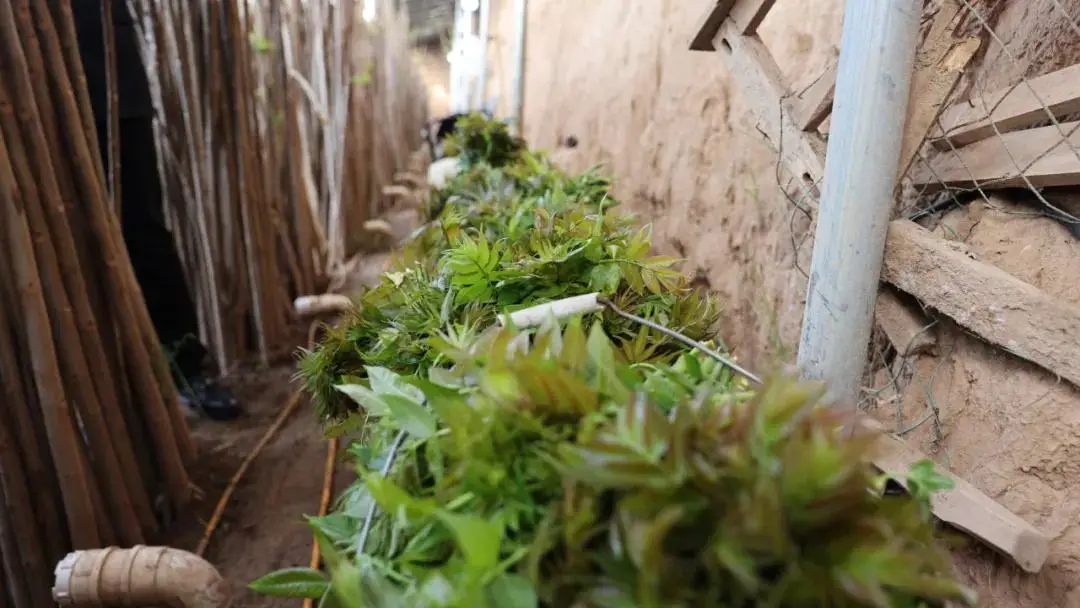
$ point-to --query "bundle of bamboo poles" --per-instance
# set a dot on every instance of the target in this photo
(93, 445)
(278, 124)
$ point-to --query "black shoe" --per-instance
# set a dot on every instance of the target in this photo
(209, 398)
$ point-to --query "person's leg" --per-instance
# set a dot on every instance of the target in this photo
(158, 269)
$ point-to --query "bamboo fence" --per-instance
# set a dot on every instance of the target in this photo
(93, 445)
(278, 124)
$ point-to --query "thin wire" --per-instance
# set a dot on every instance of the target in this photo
(681, 338)
(373, 507)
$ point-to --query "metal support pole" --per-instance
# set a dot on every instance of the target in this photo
(459, 70)
(877, 54)
(521, 17)
(485, 17)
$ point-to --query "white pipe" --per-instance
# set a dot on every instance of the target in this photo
(459, 94)
(877, 53)
(560, 309)
(139, 576)
(481, 85)
(521, 18)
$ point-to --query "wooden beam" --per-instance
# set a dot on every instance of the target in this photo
(815, 103)
(1042, 155)
(904, 325)
(1011, 109)
(966, 508)
(993, 304)
(709, 25)
(747, 15)
(939, 63)
(761, 83)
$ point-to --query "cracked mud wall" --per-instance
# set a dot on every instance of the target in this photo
(671, 127)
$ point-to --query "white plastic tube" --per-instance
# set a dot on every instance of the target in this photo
(561, 309)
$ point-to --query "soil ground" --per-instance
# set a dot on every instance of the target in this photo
(263, 528)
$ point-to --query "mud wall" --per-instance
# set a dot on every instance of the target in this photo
(672, 128)
(670, 125)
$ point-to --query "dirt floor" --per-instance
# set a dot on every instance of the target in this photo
(263, 528)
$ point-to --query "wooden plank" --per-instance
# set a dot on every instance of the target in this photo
(709, 25)
(747, 14)
(1010, 109)
(966, 508)
(904, 325)
(939, 63)
(995, 305)
(761, 83)
(815, 103)
(1042, 155)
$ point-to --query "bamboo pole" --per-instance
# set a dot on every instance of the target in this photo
(96, 393)
(16, 510)
(151, 381)
(63, 440)
(72, 360)
(19, 404)
(272, 162)
(113, 101)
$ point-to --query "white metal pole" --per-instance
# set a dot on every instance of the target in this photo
(485, 14)
(521, 17)
(459, 92)
(877, 54)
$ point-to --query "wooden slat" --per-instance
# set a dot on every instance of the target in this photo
(1042, 155)
(905, 326)
(747, 15)
(1011, 109)
(755, 71)
(995, 305)
(815, 103)
(709, 25)
(939, 63)
(968, 509)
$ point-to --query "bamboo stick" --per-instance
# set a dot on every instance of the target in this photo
(113, 102)
(96, 394)
(72, 360)
(270, 162)
(15, 580)
(20, 402)
(69, 45)
(59, 426)
(150, 380)
(219, 510)
(19, 506)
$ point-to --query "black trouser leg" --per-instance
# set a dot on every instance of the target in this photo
(151, 248)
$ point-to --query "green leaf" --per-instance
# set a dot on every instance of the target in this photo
(411, 416)
(292, 582)
(479, 539)
(365, 398)
(386, 382)
(926, 476)
(512, 591)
